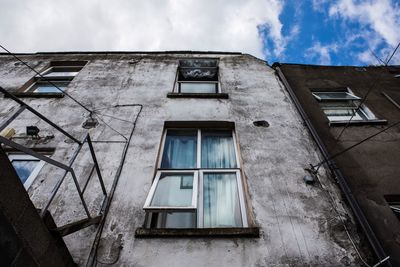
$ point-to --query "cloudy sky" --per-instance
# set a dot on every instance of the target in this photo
(338, 32)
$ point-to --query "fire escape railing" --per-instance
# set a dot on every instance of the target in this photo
(75, 226)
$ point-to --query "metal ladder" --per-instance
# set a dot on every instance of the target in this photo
(77, 225)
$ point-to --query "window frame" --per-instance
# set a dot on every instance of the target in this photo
(178, 82)
(24, 157)
(30, 87)
(199, 175)
(193, 207)
(361, 112)
(315, 93)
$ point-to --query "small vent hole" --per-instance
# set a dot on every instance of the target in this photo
(262, 123)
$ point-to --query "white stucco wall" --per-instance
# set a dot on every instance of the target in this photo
(298, 224)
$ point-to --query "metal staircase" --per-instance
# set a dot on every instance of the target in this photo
(77, 225)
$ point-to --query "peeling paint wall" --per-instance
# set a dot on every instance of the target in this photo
(300, 225)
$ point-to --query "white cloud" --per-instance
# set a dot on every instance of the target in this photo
(319, 5)
(380, 21)
(322, 53)
(48, 25)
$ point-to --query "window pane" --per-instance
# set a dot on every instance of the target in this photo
(173, 190)
(24, 168)
(198, 74)
(62, 71)
(339, 112)
(44, 87)
(61, 74)
(198, 63)
(173, 220)
(180, 150)
(217, 150)
(198, 88)
(221, 200)
(335, 96)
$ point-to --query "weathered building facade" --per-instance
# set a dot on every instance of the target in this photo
(202, 157)
(345, 106)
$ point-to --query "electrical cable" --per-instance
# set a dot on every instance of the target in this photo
(50, 82)
(376, 57)
(92, 259)
(91, 111)
(394, 52)
(342, 221)
(109, 126)
(352, 146)
(113, 117)
(376, 81)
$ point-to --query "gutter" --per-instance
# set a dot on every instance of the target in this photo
(341, 179)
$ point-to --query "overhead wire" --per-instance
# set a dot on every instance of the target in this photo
(112, 128)
(45, 79)
(356, 144)
(92, 112)
(334, 206)
(376, 81)
(110, 116)
(93, 259)
(318, 165)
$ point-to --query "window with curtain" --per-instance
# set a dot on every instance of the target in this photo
(198, 183)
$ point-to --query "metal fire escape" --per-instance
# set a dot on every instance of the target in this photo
(77, 225)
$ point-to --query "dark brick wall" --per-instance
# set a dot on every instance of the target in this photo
(373, 168)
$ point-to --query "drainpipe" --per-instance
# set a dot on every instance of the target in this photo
(362, 220)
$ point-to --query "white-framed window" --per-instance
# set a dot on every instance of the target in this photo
(58, 73)
(341, 106)
(27, 167)
(393, 202)
(197, 76)
(198, 183)
(395, 207)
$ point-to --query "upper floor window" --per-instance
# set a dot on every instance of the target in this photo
(197, 76)
(56, 76)
(27, 167)
(198, 182)
(394, 204)
(343, 106)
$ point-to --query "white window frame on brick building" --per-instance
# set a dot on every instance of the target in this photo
(343, 106)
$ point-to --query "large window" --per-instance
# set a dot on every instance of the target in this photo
(26, 167)
(58, 74)
(343, 106)
(198, 183)
(197, 76)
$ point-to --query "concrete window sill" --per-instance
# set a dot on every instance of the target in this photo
(37, 95)
(198, 95)
(197, 232)
(358, 123)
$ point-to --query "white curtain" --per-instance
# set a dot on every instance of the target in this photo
(180, 150)
(221, 200)
(217, 150)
